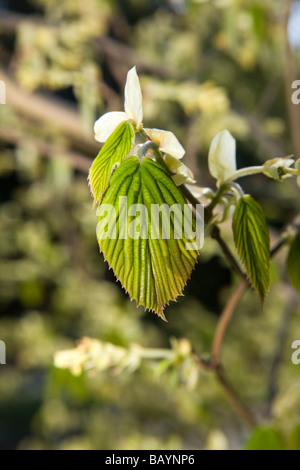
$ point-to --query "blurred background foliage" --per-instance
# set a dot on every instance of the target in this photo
(204, 66)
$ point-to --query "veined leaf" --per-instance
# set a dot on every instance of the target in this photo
(113, 152)
(293, 263)
(252, 240)
(152, 265)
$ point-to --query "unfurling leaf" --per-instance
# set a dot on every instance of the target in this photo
(293, 263)
(251, 236)
(277, 168)
(144, 242)
(113, 152)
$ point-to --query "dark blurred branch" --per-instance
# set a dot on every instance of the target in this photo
(290, 69)
(125, 54)
(114, 49)
(46, 149)
(271, 146)
(268, 97)
(120, 53)
(280, 244)
(54, 111)
(9, 21)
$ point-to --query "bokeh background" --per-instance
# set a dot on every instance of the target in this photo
(204, 66)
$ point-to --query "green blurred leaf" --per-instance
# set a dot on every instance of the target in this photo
(259, 20)
(113, 152)
(293, 263)
(153, 270)
(295, 439)
(265, 439)
(251, 236)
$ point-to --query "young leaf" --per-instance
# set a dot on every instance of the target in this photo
(293, 263)
(113, 152)
(152, 265)
(251, 236)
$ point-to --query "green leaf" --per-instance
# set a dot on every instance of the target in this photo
(113, 152)
(152, 268)
(265, 439)
(293, 263)
(252, 240)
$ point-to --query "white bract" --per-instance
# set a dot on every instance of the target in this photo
(222, 157)
(173, 153)
(105, 126)
(167, 142)
(277, 168)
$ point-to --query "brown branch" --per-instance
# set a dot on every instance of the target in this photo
(214, 364)
(279, 245)
(224, 321)
(46, 149)
(268, 97)
(233, 398)
(10, 21)
(122, 53)
(230, 393)
(42, 109)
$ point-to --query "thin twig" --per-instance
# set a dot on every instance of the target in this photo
(194, 201)
(280, 244)
(225, 320)
(216, 235)
(231, 394)
(204, 364)
(233, 398)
